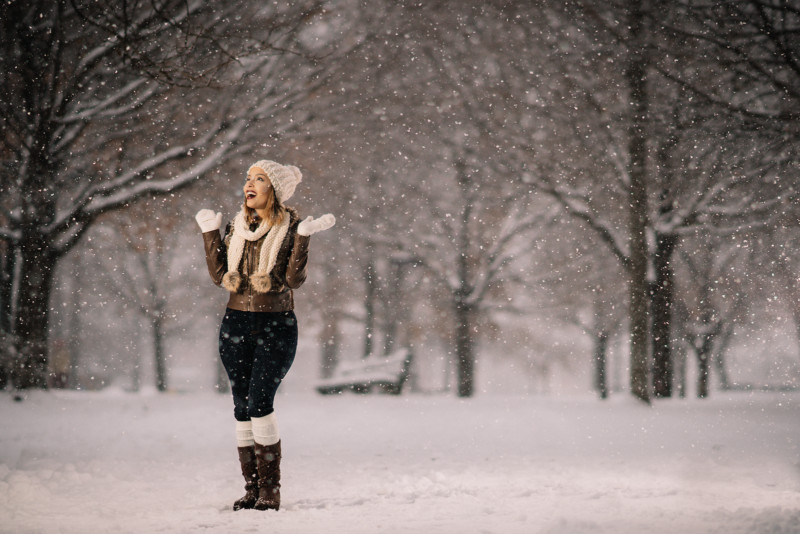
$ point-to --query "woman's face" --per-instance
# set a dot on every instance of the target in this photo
(256, 188)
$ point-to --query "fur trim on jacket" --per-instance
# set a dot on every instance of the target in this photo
(269, 245)
(288, 274)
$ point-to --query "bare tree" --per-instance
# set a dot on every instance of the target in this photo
(649, 148)
(712, 303)
(781, 249)
(484, 221)
(99, 106)
(137, 257)
(752, 47)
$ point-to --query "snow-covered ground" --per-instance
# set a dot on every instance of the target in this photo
(77, 462)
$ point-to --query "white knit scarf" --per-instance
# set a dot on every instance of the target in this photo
(269, 248)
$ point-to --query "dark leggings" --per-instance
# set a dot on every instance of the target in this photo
(257, 349)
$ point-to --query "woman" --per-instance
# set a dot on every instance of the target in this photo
(261, 259)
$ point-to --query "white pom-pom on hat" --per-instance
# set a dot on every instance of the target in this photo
(284, 178)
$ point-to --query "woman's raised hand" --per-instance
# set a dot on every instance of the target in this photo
(312, 226)
(208, 220)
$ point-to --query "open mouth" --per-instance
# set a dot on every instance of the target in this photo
(250, 194)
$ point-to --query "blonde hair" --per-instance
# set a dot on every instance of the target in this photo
(275, 211)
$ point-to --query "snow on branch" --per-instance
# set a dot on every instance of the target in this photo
(580, 208)
(499, 254)
(95, 109)
(7, 234)
(120, 194)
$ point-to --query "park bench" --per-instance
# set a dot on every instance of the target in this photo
(381, 374)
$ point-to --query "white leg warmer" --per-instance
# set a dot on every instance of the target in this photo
(265, 429)
(244, 434)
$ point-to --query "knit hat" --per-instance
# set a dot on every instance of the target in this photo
(284, 178)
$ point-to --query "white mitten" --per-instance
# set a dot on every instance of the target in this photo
(208, 220)
(312, 226)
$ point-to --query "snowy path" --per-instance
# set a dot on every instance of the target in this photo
(75, 462)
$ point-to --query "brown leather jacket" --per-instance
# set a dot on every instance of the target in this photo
(289, 272)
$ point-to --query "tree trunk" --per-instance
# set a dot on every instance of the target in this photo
(158, 352)
(369, 307)
(397, 309)
(329, 334)
(662, 299)
(75, 323)
(7, 265)
(136, 371)
(637, 149)
(136, 375)
(720, 349)
(465, 358)
(722, 371)
(680, 370)
(330, 346)
(703, 357)
(61, 364)
(683, 341)
(31, 324)
(393, 307)
(600, 350)
(794, 308)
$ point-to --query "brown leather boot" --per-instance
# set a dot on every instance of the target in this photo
(247, 457)
(269, 476)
